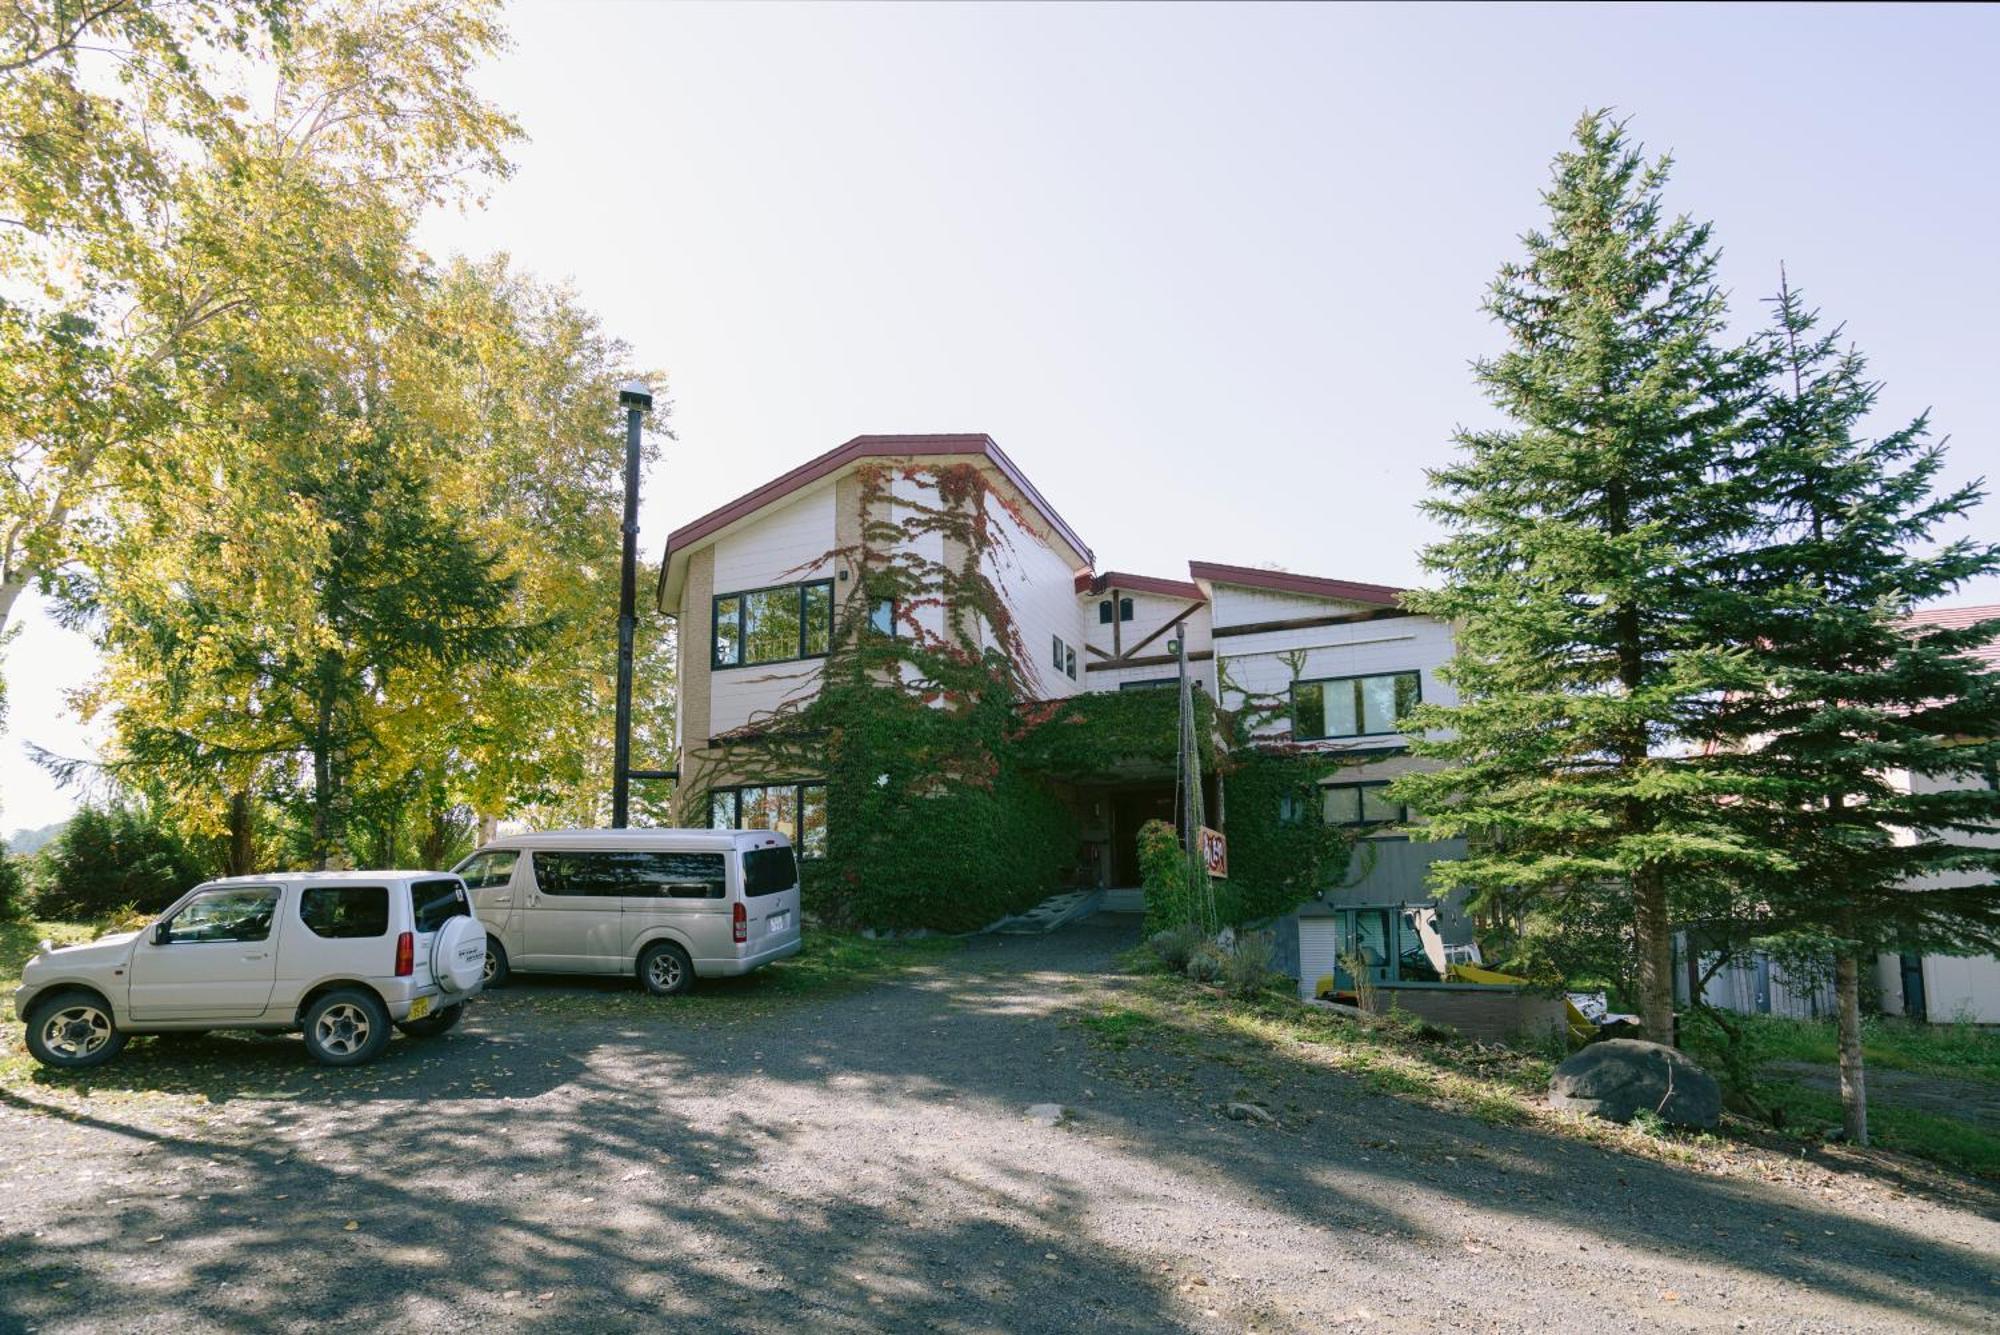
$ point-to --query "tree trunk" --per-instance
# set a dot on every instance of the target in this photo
(323, 776)
(242, 836)
(10, 593)
(1853, 1085)
(1653, 936)
(489, 829)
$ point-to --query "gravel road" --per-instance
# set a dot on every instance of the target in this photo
(864, 1161)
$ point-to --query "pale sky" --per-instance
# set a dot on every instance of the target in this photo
(1210, 275)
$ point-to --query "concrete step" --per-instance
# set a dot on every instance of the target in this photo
(1051, 913)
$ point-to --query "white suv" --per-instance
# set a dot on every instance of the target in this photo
(342, 956)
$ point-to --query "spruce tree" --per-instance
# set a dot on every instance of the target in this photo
(1579, 569)
(1858, 701)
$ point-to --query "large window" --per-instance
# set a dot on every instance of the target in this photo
(778, 625)
(795, 809)
(630, 873)
(769, 871)
(340, 912)
(435, 903)
(487, 871)
(1362, 804)
(1353, 706)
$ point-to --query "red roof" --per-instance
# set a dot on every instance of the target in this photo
(1118, 579)
(1957, 618)
(1281, 581)
(865, 447)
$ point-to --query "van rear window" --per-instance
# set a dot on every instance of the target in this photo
(767, 871)
(437, 903)
(630, 873)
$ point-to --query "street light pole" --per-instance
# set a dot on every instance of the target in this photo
(636, 399)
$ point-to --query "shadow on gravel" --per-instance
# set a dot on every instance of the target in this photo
(633, 1170)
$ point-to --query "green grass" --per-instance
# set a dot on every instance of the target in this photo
(1913, 1131)
(1964, 1051)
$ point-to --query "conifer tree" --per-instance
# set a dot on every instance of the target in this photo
(1578, 568)
(1872, 739)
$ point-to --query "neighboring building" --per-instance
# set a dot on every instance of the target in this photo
(755, 586)
(1946, 988)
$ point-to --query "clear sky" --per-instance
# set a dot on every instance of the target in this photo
(1210, 275)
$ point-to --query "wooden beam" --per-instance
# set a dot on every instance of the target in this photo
(1308, 623)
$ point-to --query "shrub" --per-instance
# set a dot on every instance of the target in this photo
(1176, 946)
(12, 901)
(1205, 965)
(109, 859)
(1246, 968)
(1163, 872)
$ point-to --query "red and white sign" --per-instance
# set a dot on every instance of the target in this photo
(1215, 853)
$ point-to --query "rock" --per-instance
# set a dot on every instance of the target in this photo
(1251, 1112)
(1046, 1114)
(1619, 1077)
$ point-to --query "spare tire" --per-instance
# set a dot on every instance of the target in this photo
(458, 955)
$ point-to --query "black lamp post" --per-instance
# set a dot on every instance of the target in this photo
(637, 400)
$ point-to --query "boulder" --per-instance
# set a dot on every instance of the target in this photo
(1620, 1077)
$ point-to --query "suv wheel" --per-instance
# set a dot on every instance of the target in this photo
(346, 1027)
(435, 1023)
(665, 969)
(495, 974)
(72, 1030)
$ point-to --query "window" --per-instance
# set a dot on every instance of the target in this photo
(436, 903)
(1362, 804)
(1151, 684)
(882, 616)
(345, 912)
(768, 871)
(1069, 662)
(630, 873)
(795, 809)
(1104, 613)
(1294, 808)
(486, 871)
(1058, 655)
(1353, 706)
(223, 915)
(777, 625)
(1124, 609)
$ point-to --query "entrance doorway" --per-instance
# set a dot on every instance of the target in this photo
(1131, 808)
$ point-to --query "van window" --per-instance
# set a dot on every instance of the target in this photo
(345, 912)
(631, 873)
(767, 871)
(484, 871)
(437, 903)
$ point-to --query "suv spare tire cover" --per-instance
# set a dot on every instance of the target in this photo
(458, 954)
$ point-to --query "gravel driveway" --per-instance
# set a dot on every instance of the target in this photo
(573, 1160)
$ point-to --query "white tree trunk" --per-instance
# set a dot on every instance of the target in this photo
(1853, 1085)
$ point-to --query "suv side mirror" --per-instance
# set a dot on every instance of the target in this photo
(160, 933)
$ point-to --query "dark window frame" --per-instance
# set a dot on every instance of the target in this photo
(306, 891)
(1299, 734)
(739, 596)
(1125, 609)
(1069, 661)
(1104, 613)
(875, 609)
(163, 934)
(1361, 805)
(716, 887)
(735, 791)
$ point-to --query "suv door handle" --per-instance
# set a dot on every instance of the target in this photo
(501, 899)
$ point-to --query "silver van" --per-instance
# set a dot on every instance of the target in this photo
(667, 905)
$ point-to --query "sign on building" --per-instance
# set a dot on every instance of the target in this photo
(1215, 853)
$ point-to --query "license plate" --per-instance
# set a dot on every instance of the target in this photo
(420, 1008)
(778, 922)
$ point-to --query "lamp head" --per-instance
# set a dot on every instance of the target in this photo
(634, 394)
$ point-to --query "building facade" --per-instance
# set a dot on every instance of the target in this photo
(756, 585)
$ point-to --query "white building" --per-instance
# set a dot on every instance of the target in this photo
(756, 583)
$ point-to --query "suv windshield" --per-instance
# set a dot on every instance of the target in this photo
(436, 903)
(766, 871)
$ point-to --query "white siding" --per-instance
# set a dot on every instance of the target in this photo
(1962, 988)
(1039, 587)
(1237, 606)
(785, 546)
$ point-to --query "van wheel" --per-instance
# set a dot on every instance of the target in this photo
(495, 973)
(346, 1027)
(437, 1022)
(665, 969)
(73, 1030)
